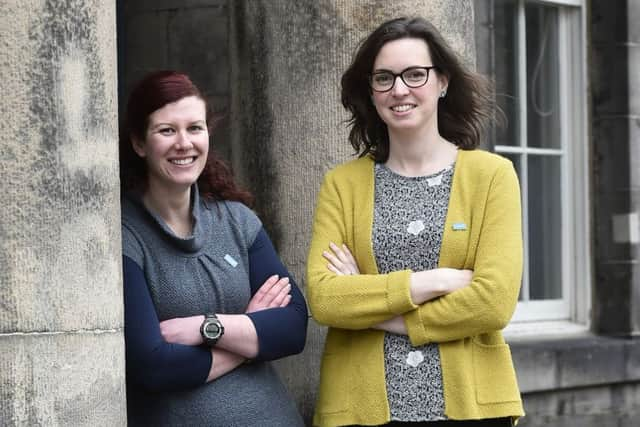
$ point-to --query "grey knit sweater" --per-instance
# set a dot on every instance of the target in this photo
(194, 276)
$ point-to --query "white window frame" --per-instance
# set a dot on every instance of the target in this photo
(560, 315)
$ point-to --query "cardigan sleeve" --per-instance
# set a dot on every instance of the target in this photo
(357, 301)
(281, 331)
(487, 304)
(153, 363)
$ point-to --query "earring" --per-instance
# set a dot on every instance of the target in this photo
(443, 93)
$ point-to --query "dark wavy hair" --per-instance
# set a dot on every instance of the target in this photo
(153, 92)
(462, 115)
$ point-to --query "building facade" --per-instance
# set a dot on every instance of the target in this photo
(566, 78)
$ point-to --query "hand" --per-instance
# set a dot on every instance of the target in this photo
(182, 330)
(452, 279)
(273, 293)
(341, 261)
(429, 284)
(395, 325)
(223, 362)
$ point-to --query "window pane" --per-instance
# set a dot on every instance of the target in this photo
(505, 72)
(545, 227)
(543, 76)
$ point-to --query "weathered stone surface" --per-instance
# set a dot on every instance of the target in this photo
(610, 94)
(634, 82)
(61, 316)
(201, 51)
(615, 88)
(632, 19)
(144, 49)
(65, 379)
(610, 24)
(608, 406)
(575, 362)
(160, 5)
(536, 368)
(189, 36)
(59, 223)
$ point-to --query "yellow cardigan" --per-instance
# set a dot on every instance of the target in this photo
(482, 233)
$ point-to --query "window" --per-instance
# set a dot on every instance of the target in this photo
(534, 51)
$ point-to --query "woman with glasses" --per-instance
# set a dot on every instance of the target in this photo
(416, 254)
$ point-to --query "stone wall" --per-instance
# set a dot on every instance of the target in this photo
(184, 35)
(615, 55)
(61, 314)
(584, 381)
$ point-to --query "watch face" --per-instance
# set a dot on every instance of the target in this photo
(212, 330)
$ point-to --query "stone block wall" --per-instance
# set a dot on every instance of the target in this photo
(579, 381)
(189, 36)
(61, 313)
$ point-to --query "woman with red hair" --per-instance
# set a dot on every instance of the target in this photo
(204, 289)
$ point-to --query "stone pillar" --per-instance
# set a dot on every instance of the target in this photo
(61, 315)
(616, 163)
(287, 123)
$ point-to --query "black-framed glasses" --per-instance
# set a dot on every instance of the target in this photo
(413, 77)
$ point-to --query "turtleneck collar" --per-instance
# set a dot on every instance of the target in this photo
(192, 243)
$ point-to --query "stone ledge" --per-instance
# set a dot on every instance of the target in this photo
(562, 363)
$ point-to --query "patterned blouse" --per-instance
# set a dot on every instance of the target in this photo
(408, 222)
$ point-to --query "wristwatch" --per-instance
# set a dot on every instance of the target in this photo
(211, 330)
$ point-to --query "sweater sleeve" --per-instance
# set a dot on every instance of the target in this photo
(152, 363)
(281, 331)
(487, 304)
(350, 302)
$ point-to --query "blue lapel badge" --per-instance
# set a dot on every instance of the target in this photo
(232, 262)
(458, 226)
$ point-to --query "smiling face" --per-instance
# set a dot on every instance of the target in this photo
(176, 144)
(408, 110)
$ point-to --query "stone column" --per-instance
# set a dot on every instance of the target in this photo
(616, 163)
(61, 316)
(287, 125)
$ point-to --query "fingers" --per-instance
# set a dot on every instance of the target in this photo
(341, 261)
(286, 301)
(350, 259)
(335, 270)
(279, 298)
(340, 253)
(266, 287)
(467, 275)
(335, 264)
(274, 295)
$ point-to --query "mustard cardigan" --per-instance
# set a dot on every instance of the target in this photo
(482, 233)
